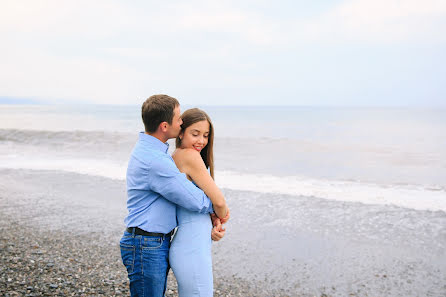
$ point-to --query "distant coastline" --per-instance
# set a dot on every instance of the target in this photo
(15, 100)
(12, 100)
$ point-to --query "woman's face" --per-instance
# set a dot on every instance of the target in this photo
(195, 136)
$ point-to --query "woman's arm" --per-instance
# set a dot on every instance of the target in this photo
(193, 166)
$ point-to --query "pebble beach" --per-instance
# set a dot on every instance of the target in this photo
(38, 263)
(56, 242)
(60, 231)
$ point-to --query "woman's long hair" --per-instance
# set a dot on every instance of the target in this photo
(190, 117)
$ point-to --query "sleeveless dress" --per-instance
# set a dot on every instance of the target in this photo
(190, 254)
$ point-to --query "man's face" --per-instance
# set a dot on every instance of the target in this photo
(175, 128)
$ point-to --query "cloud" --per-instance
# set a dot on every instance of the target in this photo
(378, 22)
(221, 17)
(374, 21)
(108, 51)
(101, 19)
(50, 77)
(55, 18)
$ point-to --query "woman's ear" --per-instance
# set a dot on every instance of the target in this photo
(181, 135)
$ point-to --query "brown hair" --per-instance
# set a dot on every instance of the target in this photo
(190, 117)
(157, 109)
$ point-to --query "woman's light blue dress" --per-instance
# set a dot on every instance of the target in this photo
(190, 254)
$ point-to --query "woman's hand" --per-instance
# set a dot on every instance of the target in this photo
(226, 218)
(217, 231)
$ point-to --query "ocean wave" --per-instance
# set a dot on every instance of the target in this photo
(409, 196)
(40, 137)
(432, 197)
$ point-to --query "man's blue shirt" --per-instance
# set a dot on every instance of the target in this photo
(155, 186)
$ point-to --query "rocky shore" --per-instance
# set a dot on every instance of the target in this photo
(35, 263)
(59, 236)
(54, 263)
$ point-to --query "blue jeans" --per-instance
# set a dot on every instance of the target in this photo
(147, 261)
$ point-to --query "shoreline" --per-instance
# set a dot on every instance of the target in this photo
(53, 245)
(276, 245)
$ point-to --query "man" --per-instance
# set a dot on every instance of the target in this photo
(154, 187)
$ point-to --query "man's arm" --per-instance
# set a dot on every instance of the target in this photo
(168, 181)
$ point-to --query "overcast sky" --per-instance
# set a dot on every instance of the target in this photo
(338, 52)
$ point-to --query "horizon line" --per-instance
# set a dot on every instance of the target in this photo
(6, 100)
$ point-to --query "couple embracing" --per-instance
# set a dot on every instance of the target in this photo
(168, 191)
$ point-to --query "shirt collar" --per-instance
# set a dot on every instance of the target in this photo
(154, 142)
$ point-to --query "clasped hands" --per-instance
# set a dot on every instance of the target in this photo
(218, 231)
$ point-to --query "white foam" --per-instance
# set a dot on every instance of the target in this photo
(415, 197)
(104, 168)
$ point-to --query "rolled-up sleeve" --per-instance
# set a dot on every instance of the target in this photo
(168, 181)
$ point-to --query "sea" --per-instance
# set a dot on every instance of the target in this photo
(325, 201)
(385, 156)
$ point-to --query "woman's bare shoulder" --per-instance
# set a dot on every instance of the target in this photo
(187, 156)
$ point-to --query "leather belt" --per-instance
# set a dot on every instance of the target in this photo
(139, 231)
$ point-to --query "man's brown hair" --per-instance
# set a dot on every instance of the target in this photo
(157, 109)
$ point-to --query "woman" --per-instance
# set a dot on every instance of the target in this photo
(190, 252)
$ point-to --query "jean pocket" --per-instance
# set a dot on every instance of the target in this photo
(151, 243)
(128, 256)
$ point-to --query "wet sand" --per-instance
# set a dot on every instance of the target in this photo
(59, 234)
